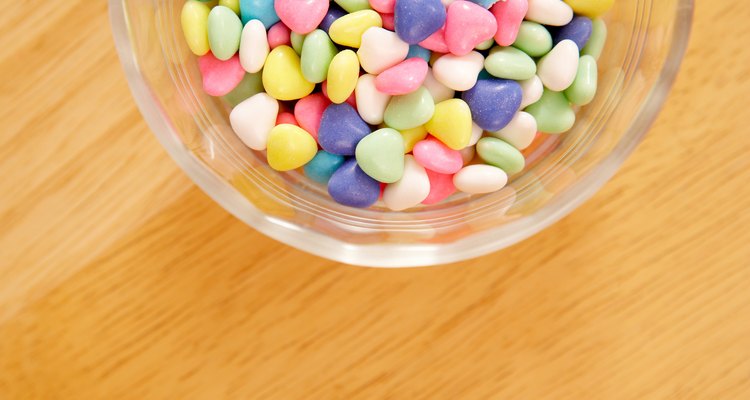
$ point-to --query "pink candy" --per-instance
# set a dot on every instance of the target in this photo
(383, 6)
(509, 15)
(436, 42)
(468, 24)
(220, 77)
(286, 118)
(278, 35)
(388, 21)
(435, 156)
(309, 111)
(403, 78)
(441, 187)
(301, 16)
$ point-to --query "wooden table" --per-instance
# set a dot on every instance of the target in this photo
(119, 279)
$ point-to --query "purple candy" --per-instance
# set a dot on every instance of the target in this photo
(333, 14)
(416, 20)
(352, 187)
(578, 30)
(493, 102)
(341, 129)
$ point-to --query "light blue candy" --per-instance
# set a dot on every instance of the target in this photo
(484, 3)
(322, 166)
(416, 50)
(261, 10)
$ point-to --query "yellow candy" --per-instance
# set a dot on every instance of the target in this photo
(451, 123)
(590, 8)
(282, 75)
(342, 76)
(233, 5)
(194, 20)
(412, 136)
(290, 147)
(347, 30)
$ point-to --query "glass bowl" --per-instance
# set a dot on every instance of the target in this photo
(647, 40)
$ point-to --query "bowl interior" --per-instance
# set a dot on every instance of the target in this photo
(645, 45)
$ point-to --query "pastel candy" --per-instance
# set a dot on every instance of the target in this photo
(250, 85)
(233, 5)
(341, 129)
(438, 91)
(279, 35)
(194, 21)
(301, 16)
(532, 91)
(381, 49)
(533, 39)
(224, 32)
(317, 53)
(578, 30)
(332, 15)
(286, 118)
(412, 137)
(352, 187)
(468, 25)
(493, 102)
(282, 75)
(348, 30)
(597, 40)
(590, 8)
(509, 14)
(553, 113)
(289, 147)
(510, 63)
(353, 5)
(253, 119)
(383, 6)
(434, 155)
(254, 46)
(220, 77)
(410, 110)
(416, 50)
(309, 111)
(410, 190)
(352, 100)
(558, 68)
(403, 78)
(436, 42)
(441, 187)
(501, 154)
(520, 131)
(476, 134)
(458, 72)
(549, 12)
(381, 155)
(342, 76)
(416, 20)
(371, 103)
(297, 41)
(583, 89)
(480, 179)
(323, 166)
(451, 123)
(262, 10)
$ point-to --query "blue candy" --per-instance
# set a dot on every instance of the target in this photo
(416, 50)
(261, 10)
(416, 20)
(334, 13)
(485, 3)
(578, 30)
(493, 102)
(341, 129)
(322, 166)
(352, 187)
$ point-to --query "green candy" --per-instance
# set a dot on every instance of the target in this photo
(500, 154)
(597, 41)
(317, 53)
(510, 63)
(224, 32)
(486, 45)
(553, 113)
(250, 85)
(381, 155)
(297, 42)
(533, 39)
(583, 89)
(233, 5)
(354, 5)
(410, 110)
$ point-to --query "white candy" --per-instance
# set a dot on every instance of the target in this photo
(438, 91)
(371, 102)
(411, 190)
(253, 46)
(520, 131)
(480, 178)
(458, 72)
(533, 89)
(380, 50)
(549, 12)
(559, 67)
(476, 134)
(253, 119)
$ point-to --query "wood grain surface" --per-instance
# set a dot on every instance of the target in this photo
(119, 279)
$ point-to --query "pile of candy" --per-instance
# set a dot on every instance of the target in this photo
(408, 99)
